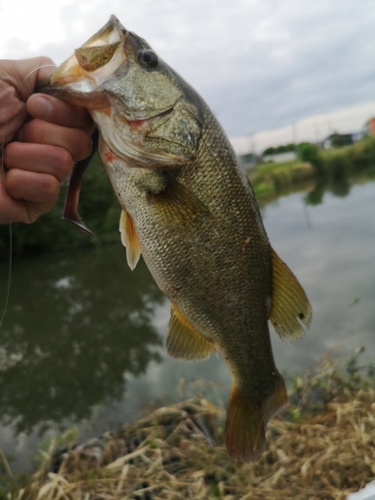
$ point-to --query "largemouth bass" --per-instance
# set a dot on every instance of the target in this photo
(189, 209)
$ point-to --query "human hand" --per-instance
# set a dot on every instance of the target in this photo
(39, 153)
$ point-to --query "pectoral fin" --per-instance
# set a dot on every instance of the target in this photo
(179, 206)
(289, 302)
(129, 239)
(183, 341)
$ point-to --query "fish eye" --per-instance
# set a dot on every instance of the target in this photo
(148, 58)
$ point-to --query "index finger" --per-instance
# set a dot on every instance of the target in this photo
(55, 111)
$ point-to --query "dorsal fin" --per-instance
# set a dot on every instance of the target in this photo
(129, 239)
(183, 341)
(289, 302)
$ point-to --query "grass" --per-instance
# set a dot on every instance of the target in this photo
(269, 179)
(321, 447)
(273, 167)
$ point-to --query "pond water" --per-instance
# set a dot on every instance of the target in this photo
(83, 337)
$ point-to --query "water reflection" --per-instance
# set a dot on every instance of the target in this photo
(73, 330)
(340, 188)
(330, 247)
(338, 185)
(83, 332)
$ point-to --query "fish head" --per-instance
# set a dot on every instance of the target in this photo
(146, 113)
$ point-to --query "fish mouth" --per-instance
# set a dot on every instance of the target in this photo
(91, 65)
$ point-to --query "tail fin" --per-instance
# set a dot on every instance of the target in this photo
(246, 422)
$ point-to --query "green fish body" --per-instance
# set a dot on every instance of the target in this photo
(189, 209)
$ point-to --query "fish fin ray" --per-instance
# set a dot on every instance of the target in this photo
(183, 341)
(179, 206)
(246, 422)
(289, 302)
(129, 239)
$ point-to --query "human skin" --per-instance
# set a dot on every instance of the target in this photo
(40, 136)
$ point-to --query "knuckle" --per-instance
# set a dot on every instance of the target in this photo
(33, 131)
(10, 152)
(46, 60)
(50, 186)
(66, 164)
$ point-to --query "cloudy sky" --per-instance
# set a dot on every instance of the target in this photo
(260, 64)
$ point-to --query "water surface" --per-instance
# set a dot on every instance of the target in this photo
(83, 337)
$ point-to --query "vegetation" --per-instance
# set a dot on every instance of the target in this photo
(341, 162)
(279, 149)
(321, 447)
(270, 178)
(309, 153)
(340, 140)
(333, 168)
(100, 209)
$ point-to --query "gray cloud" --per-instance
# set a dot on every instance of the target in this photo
(259, 64)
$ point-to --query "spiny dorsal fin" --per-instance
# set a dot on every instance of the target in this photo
(289, 302)
(129, 239)
(183, 341)
(245, 428)
(179, 206)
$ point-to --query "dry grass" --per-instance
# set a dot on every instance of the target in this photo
(322, 447)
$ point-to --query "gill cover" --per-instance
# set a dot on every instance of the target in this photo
(142, 109)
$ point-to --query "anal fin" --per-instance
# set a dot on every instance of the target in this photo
(129, 239)
(245, 428)
(183, 341)
(289, 302)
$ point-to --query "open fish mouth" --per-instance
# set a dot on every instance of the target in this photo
(93, 63)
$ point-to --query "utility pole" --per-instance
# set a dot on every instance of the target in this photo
(251, 144)
(329, 127)
(316, 128)
(294, 133)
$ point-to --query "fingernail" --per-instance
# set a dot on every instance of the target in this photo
(42, 107)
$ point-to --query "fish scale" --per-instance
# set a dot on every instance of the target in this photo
(189, 209)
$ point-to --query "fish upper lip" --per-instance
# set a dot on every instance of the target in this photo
(71, 71)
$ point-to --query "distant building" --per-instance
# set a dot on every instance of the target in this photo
(250, 160)
(281, 157)
(338, 140)
(369, 127)
(357, 136)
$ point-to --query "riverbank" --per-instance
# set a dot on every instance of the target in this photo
(319, 168)
(270, 178)
(100, 210)
(321, 447)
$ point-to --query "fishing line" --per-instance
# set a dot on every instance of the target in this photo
(10, 236)
(9, 274)
(36, 69)
(2, 175)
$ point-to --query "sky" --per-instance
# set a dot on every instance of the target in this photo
(272, 71)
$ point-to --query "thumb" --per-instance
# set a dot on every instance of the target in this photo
(24, 73)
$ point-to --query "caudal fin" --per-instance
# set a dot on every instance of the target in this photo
(246, 422)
